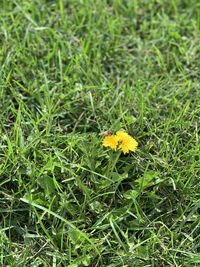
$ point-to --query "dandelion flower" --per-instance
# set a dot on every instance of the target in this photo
(122, 141)
(111, 141)
(126, 142)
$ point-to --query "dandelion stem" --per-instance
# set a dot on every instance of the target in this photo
(112, 164)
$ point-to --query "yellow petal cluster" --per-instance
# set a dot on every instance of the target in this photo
(122, 141)
(126, 142)
(111, 141)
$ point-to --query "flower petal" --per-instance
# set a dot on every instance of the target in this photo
(111, 141)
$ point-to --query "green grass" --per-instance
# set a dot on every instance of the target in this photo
(70, 70)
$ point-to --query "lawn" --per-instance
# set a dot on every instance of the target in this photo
(70, 70)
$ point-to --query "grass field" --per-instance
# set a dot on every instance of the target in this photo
(70, 70)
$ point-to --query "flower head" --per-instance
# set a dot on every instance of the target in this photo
(126, 142)
(111, 141)
(122, 141)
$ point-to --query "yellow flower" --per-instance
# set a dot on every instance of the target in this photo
(111, 141)
(126, 142)
(122, 141)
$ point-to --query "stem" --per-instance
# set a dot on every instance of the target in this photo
(112, 166)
